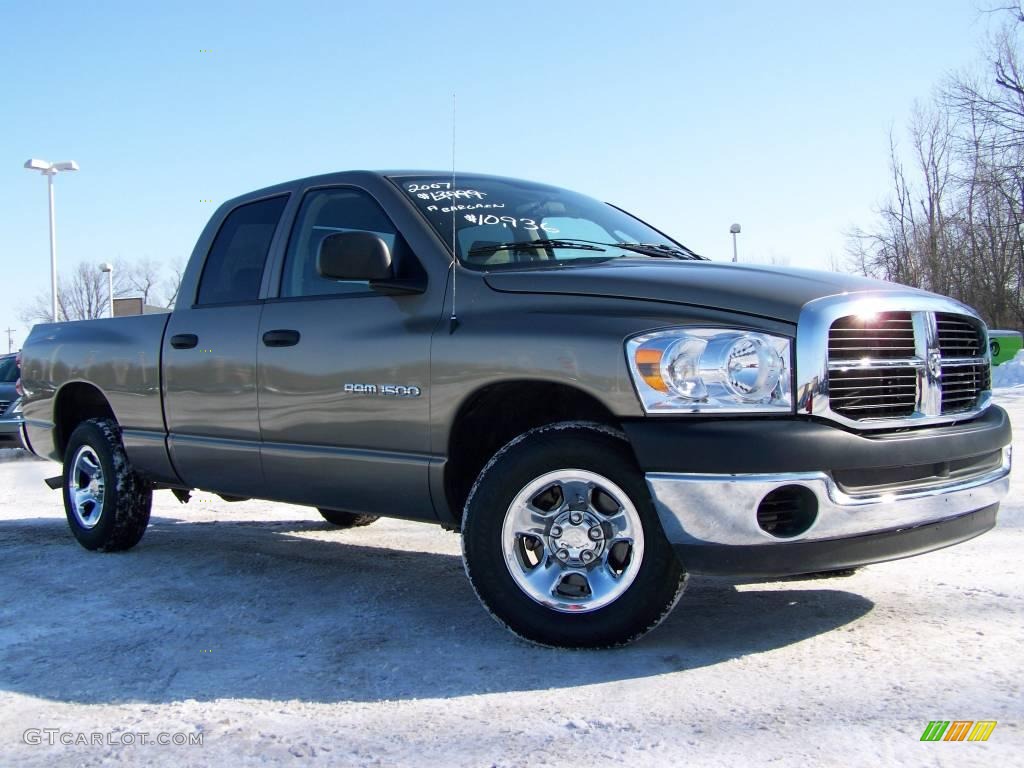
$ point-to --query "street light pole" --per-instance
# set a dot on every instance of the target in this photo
(109, 269)
(735, 230)
(49, 170)
(50, 173)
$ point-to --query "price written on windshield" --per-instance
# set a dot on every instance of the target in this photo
(438, 195)
(509, 221)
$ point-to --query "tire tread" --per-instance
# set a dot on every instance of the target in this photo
(133, 497)
(539, 438)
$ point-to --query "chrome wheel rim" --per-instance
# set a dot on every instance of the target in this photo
(572, 540)
(85, 487)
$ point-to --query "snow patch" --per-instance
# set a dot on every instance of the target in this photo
(15, 454)
(1010, 373)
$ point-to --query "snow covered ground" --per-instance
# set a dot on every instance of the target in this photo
(1010, 373)
(284, 641)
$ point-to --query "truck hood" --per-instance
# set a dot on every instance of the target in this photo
(771, 292)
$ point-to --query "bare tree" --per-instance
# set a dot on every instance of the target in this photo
(953, 220)
(889, 251)
(172, 284)
(143, 278)
(83, 295)
(837, 263)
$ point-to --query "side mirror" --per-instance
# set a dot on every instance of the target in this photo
(354, 256)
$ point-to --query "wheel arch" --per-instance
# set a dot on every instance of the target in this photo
(75, 402)
(496, 413)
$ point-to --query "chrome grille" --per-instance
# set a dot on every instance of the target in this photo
(905, 365)
(3, 405)
(961, 385)
(958, 336)
(888, 336)
(868, 394)
(851, 377)
(860, 392)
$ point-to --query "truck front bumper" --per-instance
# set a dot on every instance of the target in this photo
(856, 499)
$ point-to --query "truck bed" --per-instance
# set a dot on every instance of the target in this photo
(119, 356)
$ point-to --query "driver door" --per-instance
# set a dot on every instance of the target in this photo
(344, 373)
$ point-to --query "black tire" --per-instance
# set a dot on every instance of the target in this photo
(347, 519)
(659, 580)
(123, 515)
(839, 573)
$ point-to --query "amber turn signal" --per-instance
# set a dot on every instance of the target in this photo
(648, 365)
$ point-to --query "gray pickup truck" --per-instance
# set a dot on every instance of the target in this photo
(597, 409)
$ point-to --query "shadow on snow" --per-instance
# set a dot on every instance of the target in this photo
(249, 610)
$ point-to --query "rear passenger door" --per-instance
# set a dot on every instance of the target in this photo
(209, 359)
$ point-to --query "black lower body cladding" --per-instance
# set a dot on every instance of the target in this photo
(745, 445)
(799, 557)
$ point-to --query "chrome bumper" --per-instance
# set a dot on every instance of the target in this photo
(722, 509)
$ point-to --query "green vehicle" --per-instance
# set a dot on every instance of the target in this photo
(1004, 345)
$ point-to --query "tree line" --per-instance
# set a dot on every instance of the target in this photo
(84, 294)
(954, 220)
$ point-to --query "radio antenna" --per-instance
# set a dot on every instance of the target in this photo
(453, 321)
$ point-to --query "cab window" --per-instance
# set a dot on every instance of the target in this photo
(234, 267)
(325, 212)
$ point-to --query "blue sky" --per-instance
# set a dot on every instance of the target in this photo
(692, 115)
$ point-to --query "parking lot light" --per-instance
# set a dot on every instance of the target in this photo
(49, 170)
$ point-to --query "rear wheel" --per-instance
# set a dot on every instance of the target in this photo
(839, 573)
(562, 543)
(106, 503)
(347, 519)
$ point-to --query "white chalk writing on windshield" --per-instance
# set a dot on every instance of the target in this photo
(450, 208)
(452, 194)
(509, 221)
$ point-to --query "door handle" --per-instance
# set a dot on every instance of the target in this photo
(281, 338)
(184, 340)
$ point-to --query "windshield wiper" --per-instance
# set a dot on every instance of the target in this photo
(660, 249)
(529, 245)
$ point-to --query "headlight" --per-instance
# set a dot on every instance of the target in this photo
(16, 408)
(693, 370)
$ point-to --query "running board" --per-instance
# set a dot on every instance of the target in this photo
(55, 482)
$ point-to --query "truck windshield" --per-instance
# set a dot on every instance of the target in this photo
(510, 224)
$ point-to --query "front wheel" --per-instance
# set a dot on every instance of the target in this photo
(562, 544)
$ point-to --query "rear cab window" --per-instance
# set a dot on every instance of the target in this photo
(234, 267)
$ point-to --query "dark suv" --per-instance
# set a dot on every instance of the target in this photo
(10, 403)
